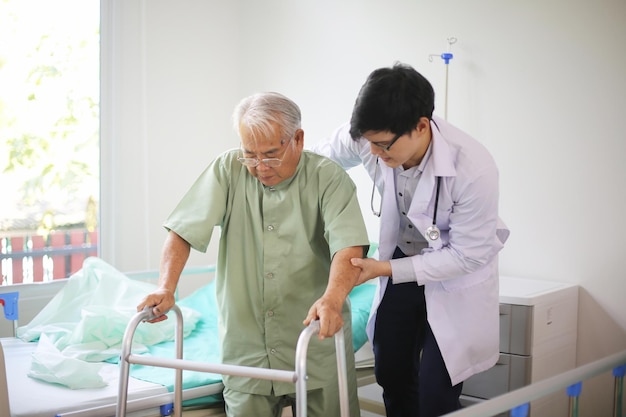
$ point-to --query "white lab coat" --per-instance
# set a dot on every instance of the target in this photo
(459, 270)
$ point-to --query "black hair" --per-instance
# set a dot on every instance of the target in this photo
(392, 99)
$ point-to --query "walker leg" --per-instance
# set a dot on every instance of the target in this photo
(178, 381)
(301, 355)
(122, 393)
(342, 374)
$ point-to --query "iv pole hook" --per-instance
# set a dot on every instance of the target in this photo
(446, 56)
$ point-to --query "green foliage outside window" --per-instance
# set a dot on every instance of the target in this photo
(49, 113)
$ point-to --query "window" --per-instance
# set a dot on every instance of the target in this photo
(49, 137)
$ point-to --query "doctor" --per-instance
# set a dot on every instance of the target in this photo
(435, 319)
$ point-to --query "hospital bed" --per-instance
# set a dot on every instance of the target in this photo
(149, 394)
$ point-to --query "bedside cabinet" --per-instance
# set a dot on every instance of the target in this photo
(538, 330)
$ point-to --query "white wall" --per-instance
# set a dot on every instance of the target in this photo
(169, 82)
(541, 84)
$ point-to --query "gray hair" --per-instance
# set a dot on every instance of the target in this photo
(260, 111)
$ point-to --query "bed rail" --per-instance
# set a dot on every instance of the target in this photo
(298, 376)
(518, 401)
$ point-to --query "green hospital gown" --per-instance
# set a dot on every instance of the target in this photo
(274, 260)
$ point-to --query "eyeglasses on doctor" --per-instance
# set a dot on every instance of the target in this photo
(386, 146)
(268, 162)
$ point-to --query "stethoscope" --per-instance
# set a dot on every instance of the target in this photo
(432, 233)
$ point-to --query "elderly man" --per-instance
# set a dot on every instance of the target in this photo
(290, 224)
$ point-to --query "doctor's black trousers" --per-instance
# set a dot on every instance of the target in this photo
(408, 363)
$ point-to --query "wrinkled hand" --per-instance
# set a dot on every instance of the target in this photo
(328, 312)
(161, 301)
(371, 268)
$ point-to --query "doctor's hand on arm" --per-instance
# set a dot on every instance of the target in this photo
(343, 277)
(173, 258)
(371, 268)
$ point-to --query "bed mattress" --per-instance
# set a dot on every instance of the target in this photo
(53, 399)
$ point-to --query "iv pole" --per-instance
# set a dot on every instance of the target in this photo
(446, 56)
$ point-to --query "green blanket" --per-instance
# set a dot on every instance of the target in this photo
(83, 326)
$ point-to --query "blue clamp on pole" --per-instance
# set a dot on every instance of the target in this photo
(574, 390)
(618, 392)
(9, 302)
(447, 56)
(167, 409)
(520, 411)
